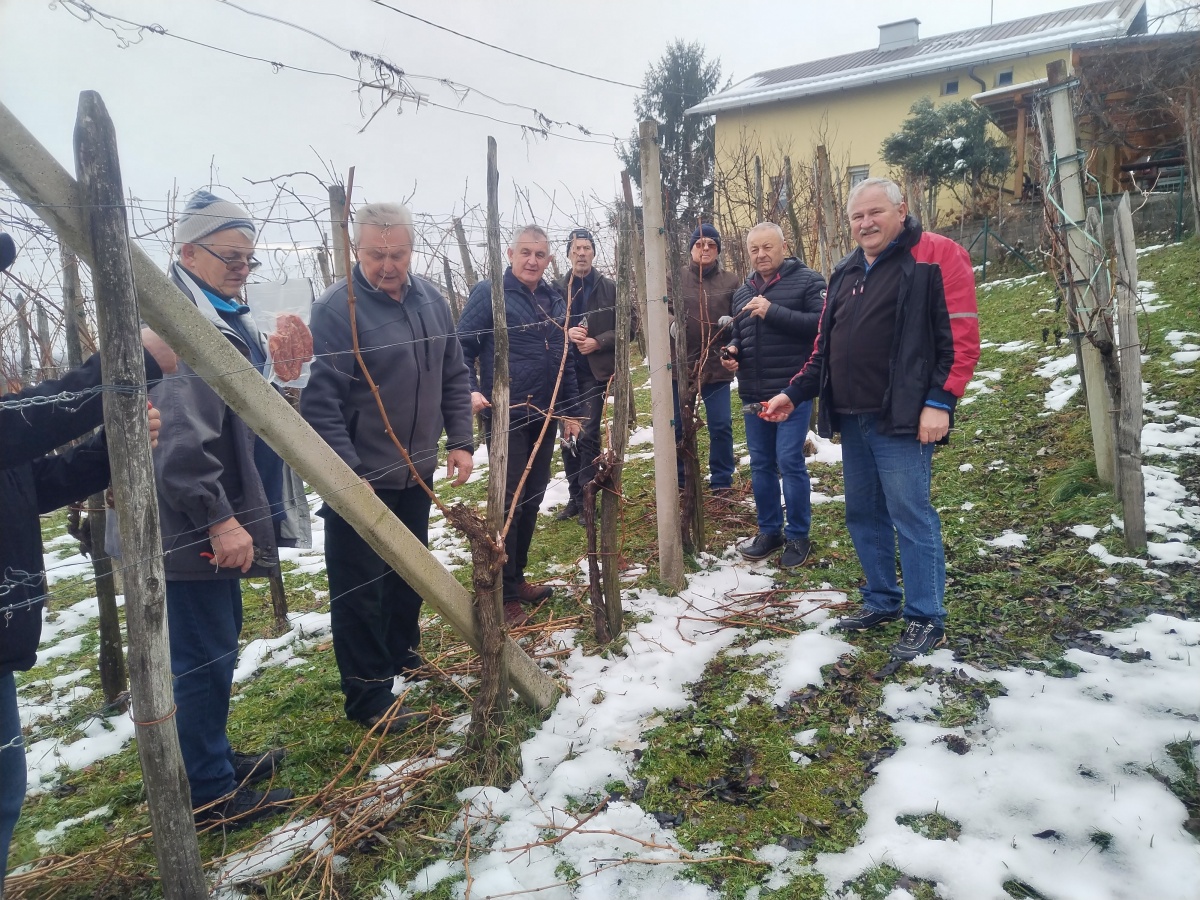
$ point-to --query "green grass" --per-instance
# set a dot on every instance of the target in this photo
(720, 769)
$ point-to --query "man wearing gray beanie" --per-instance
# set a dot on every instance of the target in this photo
(220, 506)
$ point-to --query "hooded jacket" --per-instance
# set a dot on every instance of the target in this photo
(31, 483)
(935, 343)
(773, 348)
(413, 354)
(536, 338)
(705, 298)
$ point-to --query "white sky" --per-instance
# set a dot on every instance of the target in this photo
(181, 110)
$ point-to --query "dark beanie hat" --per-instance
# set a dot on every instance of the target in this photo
(582, 234)
(706, 230)
(8, 251)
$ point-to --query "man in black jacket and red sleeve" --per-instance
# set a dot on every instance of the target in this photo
(775, 321)
(898, 344)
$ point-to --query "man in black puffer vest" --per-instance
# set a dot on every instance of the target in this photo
(775, 323)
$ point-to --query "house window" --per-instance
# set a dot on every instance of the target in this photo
(950, 87)
(1004, 79)
(858, 173)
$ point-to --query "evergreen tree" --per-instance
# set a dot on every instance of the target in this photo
(947, 146)
(679, 80)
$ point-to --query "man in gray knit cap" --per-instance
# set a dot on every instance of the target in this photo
(220, 492)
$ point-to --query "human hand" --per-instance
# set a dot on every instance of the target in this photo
(460, 462)
(933, 425)
(729, 359)
(778, 408)
(157, 348)
(577, 333)
(758, 307)
(233, 548)
(571, 428)
(155, 418)
(479, 403)
(588, 346)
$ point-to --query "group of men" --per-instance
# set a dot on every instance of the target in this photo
(888, 348)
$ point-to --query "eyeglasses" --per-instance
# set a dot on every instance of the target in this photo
(233, 263)
(706, 244)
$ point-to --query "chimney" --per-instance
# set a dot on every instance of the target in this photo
(895, 35)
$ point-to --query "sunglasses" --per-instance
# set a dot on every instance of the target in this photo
(233, 263)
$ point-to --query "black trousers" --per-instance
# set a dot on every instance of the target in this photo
(580, 466)
(521, 439)
(373, 611)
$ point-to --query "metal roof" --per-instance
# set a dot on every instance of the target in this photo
(975, 46)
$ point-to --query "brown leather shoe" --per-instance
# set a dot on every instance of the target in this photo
(514, 615)
(533, 593)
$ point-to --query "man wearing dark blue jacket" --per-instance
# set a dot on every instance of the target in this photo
(536, 316)
(775, 323)
(34, 482)
(406, 339)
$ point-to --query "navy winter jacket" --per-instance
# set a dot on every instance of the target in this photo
(31, 482)
(772, 349)
(536, 339)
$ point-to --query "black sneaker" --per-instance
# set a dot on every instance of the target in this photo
(251, 768)
(760, 546)
(866, 618)
(920, 637)
(570, 511)
(394, 721)
(243, 807)
(795, 553)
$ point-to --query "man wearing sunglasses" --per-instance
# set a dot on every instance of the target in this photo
(593, 354)
(220, 493)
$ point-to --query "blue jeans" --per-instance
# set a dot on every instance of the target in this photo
(887, 500)
(777, 449)
(204, 619)
(12, 767)
(718, 413)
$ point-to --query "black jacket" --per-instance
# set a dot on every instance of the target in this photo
(936, 342)
(32, 483)
(772, 349)
(600, 308)
(414, 357)
(535, 346)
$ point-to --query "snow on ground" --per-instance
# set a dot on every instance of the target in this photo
(1050, 765)
(1062, 386)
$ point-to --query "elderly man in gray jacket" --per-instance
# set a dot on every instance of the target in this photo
(407, 341)
(221, 507)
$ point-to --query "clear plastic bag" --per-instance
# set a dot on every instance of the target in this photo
(281, 310)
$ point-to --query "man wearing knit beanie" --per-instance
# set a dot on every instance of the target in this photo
(703, 294)
(220, 506)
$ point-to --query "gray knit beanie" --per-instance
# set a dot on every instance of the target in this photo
(207, 214)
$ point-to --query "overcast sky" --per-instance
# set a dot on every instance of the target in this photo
(186, 113)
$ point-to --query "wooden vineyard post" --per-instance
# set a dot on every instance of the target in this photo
(492, 696)
(658, 340)
(1131, 486)
(175, 844)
